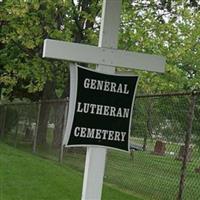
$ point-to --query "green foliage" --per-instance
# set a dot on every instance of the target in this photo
(156, 27)
(24, 26)
(170, 30)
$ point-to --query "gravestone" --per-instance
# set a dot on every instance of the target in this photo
(159, 148)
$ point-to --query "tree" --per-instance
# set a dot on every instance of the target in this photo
(169, 28)
(25, 73)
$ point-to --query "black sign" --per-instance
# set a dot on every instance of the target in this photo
(100, 109)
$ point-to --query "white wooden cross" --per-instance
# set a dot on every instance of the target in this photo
(106, 56)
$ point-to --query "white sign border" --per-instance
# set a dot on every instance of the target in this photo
(72, 106)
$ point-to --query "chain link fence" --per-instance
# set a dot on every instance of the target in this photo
(166, 128)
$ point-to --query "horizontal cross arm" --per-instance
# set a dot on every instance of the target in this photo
(96, 55)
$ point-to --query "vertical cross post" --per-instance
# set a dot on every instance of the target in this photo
(96, 156)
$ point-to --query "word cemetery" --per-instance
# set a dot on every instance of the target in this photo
(99, 134)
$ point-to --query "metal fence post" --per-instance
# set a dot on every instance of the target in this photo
(189, 121)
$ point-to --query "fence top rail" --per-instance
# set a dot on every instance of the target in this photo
(137, 96)
(35, 102)
(196, 93)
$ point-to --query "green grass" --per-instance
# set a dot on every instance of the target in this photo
(27, 177)
(146, 175)
(151, 176)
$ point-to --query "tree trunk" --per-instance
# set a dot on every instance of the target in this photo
(59, 109)
(3, 112)
(43, 123)
(48, 93)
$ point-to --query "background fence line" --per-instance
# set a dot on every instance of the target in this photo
(166, 126)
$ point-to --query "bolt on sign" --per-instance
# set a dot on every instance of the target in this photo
(100, 109)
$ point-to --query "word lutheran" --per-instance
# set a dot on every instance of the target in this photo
(101, 107)
(97, 109)
(106, 86)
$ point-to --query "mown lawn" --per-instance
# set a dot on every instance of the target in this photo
(146, 175)
(27, 177)
(151, 176)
